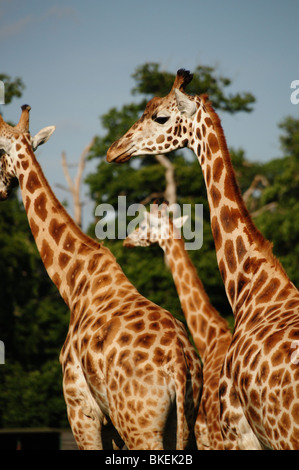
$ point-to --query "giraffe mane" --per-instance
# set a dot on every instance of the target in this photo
(264, 245)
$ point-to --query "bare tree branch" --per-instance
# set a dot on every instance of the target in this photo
(170, 188)
(74, 185)
(61, 186)
(267, 207)
(256, 180)
(152, 196)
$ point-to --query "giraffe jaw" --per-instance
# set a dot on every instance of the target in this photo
(132, 241)
(116, 157)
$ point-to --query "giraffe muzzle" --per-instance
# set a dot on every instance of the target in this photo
(114, 156)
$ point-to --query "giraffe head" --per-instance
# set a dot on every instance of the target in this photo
(156, 227)
(12, 140)
(164, 126)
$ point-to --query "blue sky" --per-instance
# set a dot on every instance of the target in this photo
(76, 59)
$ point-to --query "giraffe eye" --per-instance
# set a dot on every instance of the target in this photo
(161, 119)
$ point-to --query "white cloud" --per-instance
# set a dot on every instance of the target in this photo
(56, 12)
(8, 30)
(60, 13)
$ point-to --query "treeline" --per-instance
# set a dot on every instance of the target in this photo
(34, 319)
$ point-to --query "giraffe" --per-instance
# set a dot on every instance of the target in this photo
(260, 378)
(126, 362)
(209, 330)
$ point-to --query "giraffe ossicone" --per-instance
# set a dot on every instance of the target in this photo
(127, 364)
(259, 382)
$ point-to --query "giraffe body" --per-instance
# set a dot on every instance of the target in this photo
(260, 380)
(127, 363)
(209, 330)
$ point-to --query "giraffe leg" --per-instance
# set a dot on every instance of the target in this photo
(149, 438)
(87, 430)
(92, 430)
(201, 431)
(236, 431)
(85, 417)
(144, 427)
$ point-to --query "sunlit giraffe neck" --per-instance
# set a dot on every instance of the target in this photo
(209, 330)
(126, 362)
(258, 370)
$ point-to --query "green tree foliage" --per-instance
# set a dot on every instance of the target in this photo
(13, 88)
(33, 327)
(142, 177)
(32, 398)
(281, 223)
(33, 321)
(151, 81)
(33, 317)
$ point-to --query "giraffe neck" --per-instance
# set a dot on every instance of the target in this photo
(63, 247)
(204, 322)
(244, 256)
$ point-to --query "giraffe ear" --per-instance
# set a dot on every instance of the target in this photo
(180, 221)
(5, 146)
(42, 136)
(184, 103)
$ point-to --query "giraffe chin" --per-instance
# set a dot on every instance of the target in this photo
(5, 190)
(122, 158)
(3, 195)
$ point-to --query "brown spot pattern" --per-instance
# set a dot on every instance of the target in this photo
(56, 230)
(47, 254)
(40, 206)
(213, 143)
(217, 169)
(229, 219)
(33, 182)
